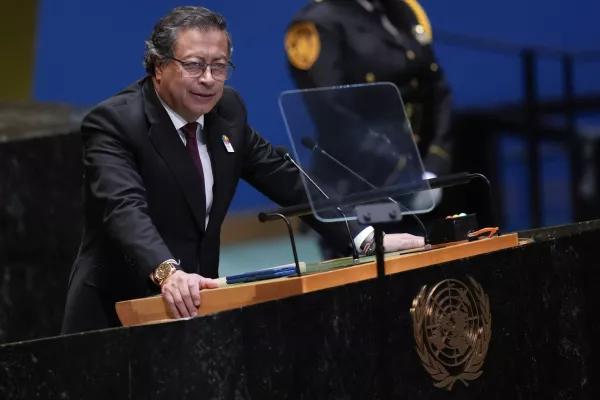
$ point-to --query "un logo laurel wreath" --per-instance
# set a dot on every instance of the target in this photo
(452, 327)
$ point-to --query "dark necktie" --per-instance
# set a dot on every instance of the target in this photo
(191, 144)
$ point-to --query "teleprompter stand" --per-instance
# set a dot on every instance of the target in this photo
(378, 215)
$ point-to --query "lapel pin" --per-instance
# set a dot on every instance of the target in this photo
(227, 143)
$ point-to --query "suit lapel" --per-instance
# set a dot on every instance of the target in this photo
(223, 164)
(168, 144)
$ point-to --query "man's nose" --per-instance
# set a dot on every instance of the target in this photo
(207, 76)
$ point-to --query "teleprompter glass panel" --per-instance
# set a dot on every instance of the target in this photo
(356, 143)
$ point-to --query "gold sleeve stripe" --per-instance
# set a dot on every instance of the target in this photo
(422, 17)
(439, 152)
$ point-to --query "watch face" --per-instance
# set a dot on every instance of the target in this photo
(163, 271)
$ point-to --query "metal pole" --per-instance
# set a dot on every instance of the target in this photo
(532, 123)
(573, 142)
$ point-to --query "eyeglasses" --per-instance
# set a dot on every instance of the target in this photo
(219, 71)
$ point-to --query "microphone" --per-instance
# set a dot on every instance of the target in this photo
(312, 145)
(285, 154)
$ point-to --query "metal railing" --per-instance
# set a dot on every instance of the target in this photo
(531, 105)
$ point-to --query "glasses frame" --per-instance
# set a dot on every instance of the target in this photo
(205, 66)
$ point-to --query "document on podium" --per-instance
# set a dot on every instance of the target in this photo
(261, 274)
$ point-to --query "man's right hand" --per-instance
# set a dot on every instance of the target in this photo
(181, 291)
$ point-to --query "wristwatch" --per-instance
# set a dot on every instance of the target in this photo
(163, 271)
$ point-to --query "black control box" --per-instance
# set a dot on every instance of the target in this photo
(454, 228)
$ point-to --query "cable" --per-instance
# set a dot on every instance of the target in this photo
(491, 230)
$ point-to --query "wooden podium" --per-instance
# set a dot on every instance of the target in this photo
(153, 310)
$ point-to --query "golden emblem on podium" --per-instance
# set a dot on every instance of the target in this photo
(452, 326)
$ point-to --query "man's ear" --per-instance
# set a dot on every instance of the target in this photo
(158, 70)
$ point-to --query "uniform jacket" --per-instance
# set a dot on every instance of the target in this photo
(354, 47)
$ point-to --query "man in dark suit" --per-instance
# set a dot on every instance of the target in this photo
(162, 161)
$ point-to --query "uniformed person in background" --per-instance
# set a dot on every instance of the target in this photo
(344, 42)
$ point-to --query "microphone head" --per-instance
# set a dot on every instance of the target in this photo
(309, 143)
(282, 151)
(262, 217)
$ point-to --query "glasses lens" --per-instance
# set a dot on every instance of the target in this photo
(193, 69)
(221, 71)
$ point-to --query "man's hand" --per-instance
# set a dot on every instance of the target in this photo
(181, 291)
(401, 241)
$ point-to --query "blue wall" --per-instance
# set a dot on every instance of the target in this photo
(88, 50)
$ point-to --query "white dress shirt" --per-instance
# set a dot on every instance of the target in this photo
(179, 123)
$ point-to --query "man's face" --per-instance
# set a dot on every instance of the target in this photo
(192, 96)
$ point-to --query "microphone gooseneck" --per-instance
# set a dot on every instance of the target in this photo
(285, 154)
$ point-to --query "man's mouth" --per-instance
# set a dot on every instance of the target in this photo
(203, 95)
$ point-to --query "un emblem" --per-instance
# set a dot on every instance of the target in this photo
(452, 326)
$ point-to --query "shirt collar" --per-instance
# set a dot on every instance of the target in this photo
(177, 119)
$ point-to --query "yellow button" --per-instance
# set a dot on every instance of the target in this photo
(410, 54)
(434, 67)
(370, 77)
(418, 29)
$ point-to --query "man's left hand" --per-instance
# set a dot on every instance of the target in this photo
(401, 241)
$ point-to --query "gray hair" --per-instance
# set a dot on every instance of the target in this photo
(161, 43)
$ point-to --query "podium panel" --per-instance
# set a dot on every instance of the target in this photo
(528, 309)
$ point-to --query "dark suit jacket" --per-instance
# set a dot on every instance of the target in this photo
(143, 199)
